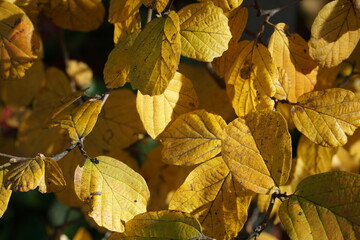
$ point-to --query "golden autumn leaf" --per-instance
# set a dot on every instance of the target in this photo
(25, 175)
(226, 5)
(204, 30)
(258, 156)
(162, 179)
(193, 138)
(327, 116)
(121, 10)
(5, 193)
(219, 105)
(158, 5)
(117, 66)
(81, 120)
(32, 82)
(312, 159)
(334, 33)
(162, 225)
(80, 73)
(118, 124)
(252, 79)
(214, 198)
(156, 55)
(53, 179)
(82, 234)
(114, 192)
(123, 29)
(76, 15)
(157, 112)
(324, 205)
(291, 53)
(19, 44)
(237, 22)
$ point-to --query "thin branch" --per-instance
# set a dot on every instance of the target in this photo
(59, 156)
(220, 82)
(105, 97)
(149, 15)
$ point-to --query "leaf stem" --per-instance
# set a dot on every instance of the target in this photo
(149, 15)
(59, 156)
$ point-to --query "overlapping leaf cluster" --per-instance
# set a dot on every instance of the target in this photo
(222, 161)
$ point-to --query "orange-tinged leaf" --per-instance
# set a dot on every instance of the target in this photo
(76, 15)
(237, 22)
(81, 120)
(119, 124)
(158, 5)
(324, 206)
(117, 67)
(334, 33)
(210, 194)
(4, 193)
(162, 225)
(258, 156)
(312, 159)
(291, 53)
(156, 55)
(157, 112)
(32, 82)
(53, 179)
(121, 10)
(19, 43)
(226, 5)
(114, 192)
(193, 138)
(80, 73)
(327, 116)
(204, 30)
(25, 175)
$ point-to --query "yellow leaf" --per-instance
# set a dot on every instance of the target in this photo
(162, 179)
(119, 124)
(219, 105)
(124, 28)
(53, 179)
(204, 30)
(19, 43)
(226, 5)
(193, 138)
(252, 79)
(114, 192)
(25, 175)
(324, 205)
(259, 156)
(117, 67)
(264, 236)
(76, 15)
(82, 234)
(162, 225)
(64, 104)
(158, 5)
(327, 116)
(237, 22)
(4, 193)
(210, 194)
(291, 53)
(156, 55)
(81, 120)
(80, 72)
(121, 10)
(312, 159)
(157, 112)
(334, 33)
(32, 82)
